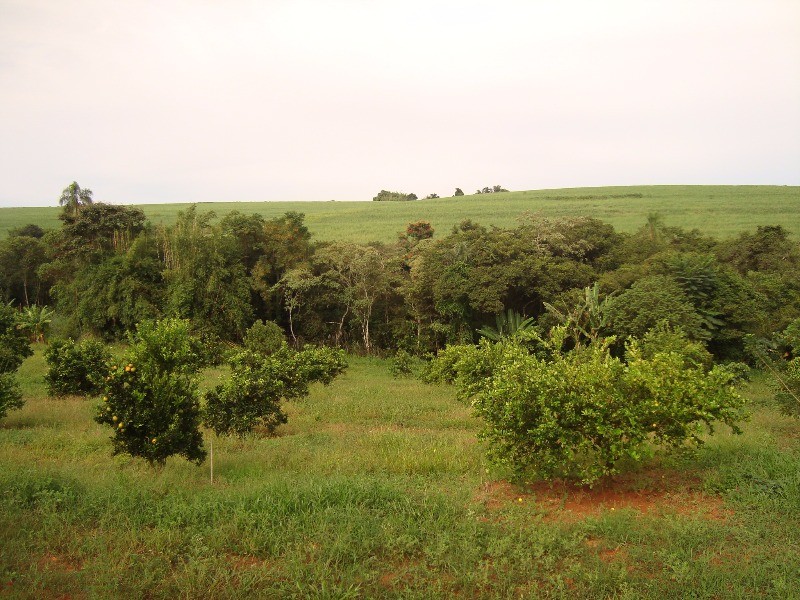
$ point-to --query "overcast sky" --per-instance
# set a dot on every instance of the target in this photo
(179, 101)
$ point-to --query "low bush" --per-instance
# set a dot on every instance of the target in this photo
(264, 338)
(401, 364)
(253, 394)
(76, 368)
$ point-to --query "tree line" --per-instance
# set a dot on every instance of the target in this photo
(387, 196)
(106, 269)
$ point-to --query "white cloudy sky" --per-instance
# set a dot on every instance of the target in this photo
(176, 101)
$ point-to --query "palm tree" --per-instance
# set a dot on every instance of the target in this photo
(73, 197)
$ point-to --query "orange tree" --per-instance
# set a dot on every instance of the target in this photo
(151, 397)
(14, 348)
(580, 413)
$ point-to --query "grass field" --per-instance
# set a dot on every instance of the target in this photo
(378, 488)
(722, 211)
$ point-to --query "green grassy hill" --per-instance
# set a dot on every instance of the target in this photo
(721, 210)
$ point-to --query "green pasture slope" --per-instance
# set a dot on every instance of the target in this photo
(719, 210)
(378, 488)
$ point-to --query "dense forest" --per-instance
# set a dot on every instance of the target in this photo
(107, 269)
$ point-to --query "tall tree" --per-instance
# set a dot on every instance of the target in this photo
(362, 276)
(73, 197)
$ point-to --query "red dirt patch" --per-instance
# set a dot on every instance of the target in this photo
(400, 576)
(653, 491)
(65, 564)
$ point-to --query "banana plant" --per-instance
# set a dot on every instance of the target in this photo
(509, 324)
(587, 318)
(35, 320)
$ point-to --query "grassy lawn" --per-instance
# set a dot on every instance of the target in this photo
(722, 211)
(377, 487)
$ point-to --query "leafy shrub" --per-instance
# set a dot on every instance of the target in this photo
(401, 364)
(151, 398)
(250, 397)
(580, 413)
(739, 370)
(788, 395)
(258, 383)
(10, 395)
(76, 367)
(788, 373)
(780, 356)
(650, 301)
(14, 344)
(663, 339)
(14, 348)
(451, 366)
(264, 338)
(790, 337)
(316, 365)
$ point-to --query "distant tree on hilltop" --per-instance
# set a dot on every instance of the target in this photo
(387, 196)
(491, 190)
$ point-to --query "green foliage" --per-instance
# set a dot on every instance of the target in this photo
(14, 348)
(20, 259)
(491, 190)
(741, 371)
(356, 277)
(723, 211)
(98, 230)
(790, 337)
(36, 320)
(662, 339)
(258, 383)
(206, 280)
(14, 345)
(264, 338)
(581, 413)
(508, 324)
(387, 196)
(317, 364)
(769, 249)
(73, 197)
(250, 396)
(10, 394)
(586, 319)
(787, 370)
(151, 397)
(401, 364)
(652, 300)
(788, 395)
(76, 368)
